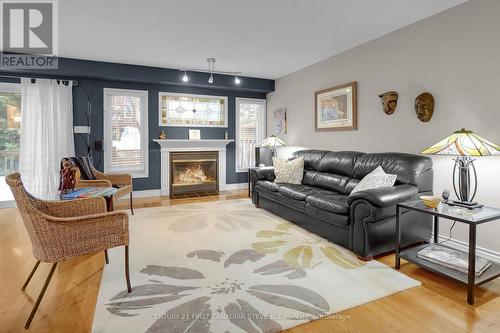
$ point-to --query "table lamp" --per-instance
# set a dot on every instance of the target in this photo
(464, 144)
(272, 142)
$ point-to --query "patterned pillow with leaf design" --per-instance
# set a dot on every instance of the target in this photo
(375, 179)
(290, 172)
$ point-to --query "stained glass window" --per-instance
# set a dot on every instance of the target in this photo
(192, 110)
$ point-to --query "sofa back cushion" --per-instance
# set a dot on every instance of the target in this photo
(327, 181)
(408, 167)
(339, 162)
(341, 171)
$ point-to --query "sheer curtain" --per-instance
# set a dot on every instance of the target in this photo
(46, 134)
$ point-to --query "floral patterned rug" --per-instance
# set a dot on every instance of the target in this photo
(227, 266)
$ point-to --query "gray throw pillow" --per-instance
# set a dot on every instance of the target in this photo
(290, 172)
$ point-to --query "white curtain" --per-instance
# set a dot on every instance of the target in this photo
(46, 134)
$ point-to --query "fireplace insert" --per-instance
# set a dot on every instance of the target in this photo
(194, 173)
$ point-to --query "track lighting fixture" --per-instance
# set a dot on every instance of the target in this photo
(211, 71)
(211, 63)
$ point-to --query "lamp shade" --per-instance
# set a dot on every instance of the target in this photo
(463, 143)
(271, 142)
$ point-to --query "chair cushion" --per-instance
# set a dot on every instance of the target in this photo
(329, 201)
(268, 185)
(296, 192)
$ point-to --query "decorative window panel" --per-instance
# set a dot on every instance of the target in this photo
(192, 110)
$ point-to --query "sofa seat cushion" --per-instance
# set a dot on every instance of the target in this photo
(296, 191)
(329, 201)
(298, 205)
(268, 185)
(339, 220)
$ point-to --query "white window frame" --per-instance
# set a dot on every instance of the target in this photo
(108, 142)
(161, 94)
(263, 126)
(9, 87)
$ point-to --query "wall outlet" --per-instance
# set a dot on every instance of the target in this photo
(98, 145)
(81, 129)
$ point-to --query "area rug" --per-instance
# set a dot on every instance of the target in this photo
(227, 266)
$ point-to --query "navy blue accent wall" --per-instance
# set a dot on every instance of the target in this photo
(93, 90)
(94, 76)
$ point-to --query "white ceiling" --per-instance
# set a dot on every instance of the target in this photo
(261, 38)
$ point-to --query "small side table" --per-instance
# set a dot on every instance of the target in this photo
(89, 192)
(473, 218)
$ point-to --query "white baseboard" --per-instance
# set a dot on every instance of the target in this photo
(236, 186)
(147, 193)
(463, 246)
(8, 204)
(157, 192)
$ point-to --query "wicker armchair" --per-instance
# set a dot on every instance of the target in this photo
(123, 183)
(60, 230)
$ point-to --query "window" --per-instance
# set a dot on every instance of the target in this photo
(250, 130)
(126, 132)
(192, 110)
(10, 134)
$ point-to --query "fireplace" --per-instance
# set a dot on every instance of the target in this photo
(194, 173)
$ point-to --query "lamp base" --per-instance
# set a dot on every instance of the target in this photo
(464, 204)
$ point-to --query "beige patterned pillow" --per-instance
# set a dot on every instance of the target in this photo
(290, 172)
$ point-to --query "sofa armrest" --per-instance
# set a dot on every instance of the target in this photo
(264, 173)
(256, 174)
(385, 196)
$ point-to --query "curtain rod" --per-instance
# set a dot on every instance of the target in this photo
(75, 82)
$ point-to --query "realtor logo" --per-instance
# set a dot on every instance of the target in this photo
(29, 30)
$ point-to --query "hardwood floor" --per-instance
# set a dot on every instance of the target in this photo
(439, 305)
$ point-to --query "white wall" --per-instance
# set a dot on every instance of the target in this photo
(455, 55)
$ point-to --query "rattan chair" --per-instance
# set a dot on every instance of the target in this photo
(123, 182)
(61, 230)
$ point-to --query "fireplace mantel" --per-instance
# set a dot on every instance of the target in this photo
(193, 144)
(176, 145)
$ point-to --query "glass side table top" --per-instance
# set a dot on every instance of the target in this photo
(476, 216)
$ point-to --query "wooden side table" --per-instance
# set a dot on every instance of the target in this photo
(473, 218)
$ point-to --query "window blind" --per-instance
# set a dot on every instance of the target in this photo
(250, 130)
(126, 132)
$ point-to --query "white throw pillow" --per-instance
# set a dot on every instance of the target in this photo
(375, 179)
(290, 172)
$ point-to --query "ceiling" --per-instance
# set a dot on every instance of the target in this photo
(260, 38)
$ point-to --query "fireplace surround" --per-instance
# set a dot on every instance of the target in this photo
(183, 145)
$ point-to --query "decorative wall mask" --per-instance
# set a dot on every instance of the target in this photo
(389, 101)
(424, 106)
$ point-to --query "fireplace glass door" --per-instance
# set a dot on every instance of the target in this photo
(194, 173)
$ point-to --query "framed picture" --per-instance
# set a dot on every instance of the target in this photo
(194, 134)
(280, 125)
(336, 108)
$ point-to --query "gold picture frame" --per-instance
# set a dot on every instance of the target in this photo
(336, 108)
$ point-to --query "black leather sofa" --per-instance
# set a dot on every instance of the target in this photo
(364, 222)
